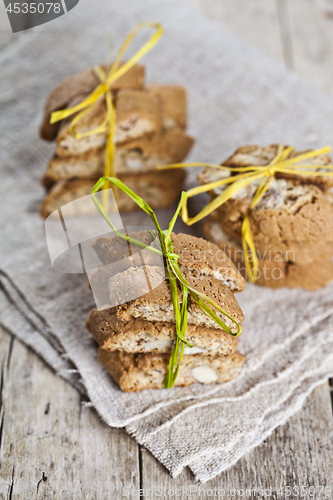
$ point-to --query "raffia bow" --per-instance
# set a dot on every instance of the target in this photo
(246, 176)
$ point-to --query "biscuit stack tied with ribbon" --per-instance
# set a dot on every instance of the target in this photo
(130, 125)
(271, 210)
(291, 225)
(137, 337)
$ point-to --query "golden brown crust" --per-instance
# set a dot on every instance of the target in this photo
(156, 305)
(83, 83)
(207, 259)
(133, 105)
(174, 104)
(158, 189)
(136, 372)
(112, 249)
(173, 144)
(139, 335)
(247, 156)
(294, 235)
(138, 113)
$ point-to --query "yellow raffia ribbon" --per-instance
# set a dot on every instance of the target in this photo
(246, 176)
(103, 89)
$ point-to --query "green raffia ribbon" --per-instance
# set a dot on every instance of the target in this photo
(174, 274)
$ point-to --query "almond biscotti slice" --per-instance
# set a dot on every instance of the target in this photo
(136, 372)
(290, 218)
(274, 272)
(197, 255)
(156, 304)
(141, 336)
(82, 84)
(174, 104)
(158, 189)
(135, 157)
(138, 113)
(142, 155)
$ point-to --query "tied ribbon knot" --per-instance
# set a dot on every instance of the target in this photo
(245, 176)
(108, 127)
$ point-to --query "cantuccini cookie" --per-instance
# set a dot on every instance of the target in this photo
(157, 305)
(136, 372)
(248, 156)
(196, 255)
(274, 271)
(158, 189)
(138, 113)
(142, 336)
(294, 217)
(81, 85)
(148, 131)
(136, 327)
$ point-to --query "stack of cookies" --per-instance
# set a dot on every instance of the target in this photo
(150, 131)
(137, 336)
(292, 225)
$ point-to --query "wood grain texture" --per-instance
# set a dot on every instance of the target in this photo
(52, 446)
(297, 454)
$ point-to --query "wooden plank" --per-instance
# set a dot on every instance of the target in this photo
(311, 24)
(255, 21)
(297, 454)
(52, 446)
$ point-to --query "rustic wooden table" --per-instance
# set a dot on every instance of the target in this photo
(52, 446)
